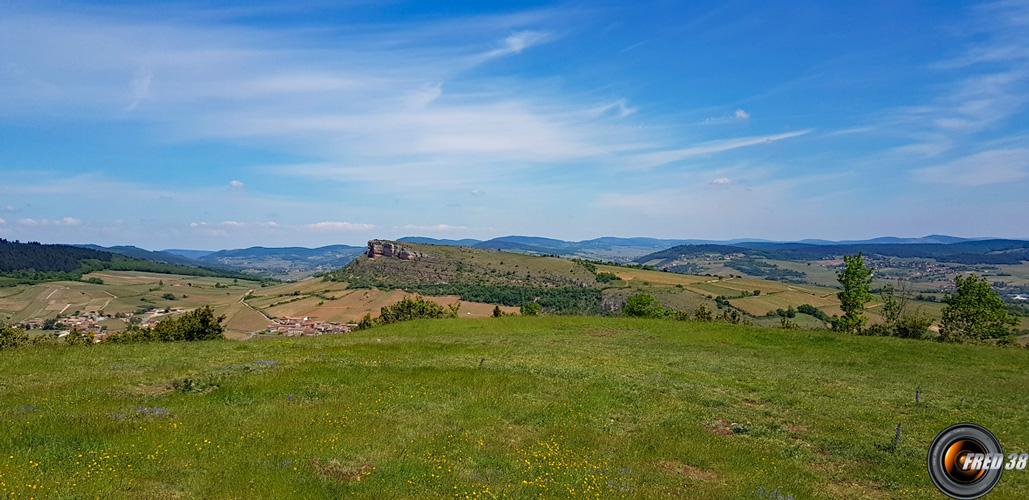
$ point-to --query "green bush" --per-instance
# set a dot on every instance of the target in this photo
(606, 277)
(530, 309)
(199, 324)
(415, 308)
(11, 337)
(642, 305)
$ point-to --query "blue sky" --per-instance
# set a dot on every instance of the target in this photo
(200, 126)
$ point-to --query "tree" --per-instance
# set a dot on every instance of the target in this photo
(366, 322)
(893, 305)
(703, 314)
(530, 309)
(642, 305)
(497, 312)
(975, 312)
(856, 280)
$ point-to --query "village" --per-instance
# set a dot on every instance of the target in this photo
(306, 327)
(93, 323)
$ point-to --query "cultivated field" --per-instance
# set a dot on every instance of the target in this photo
(510, 407)
(126, 292)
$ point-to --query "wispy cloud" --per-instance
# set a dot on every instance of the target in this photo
(980, 169)
(434, 228)
(335, 226)
(65, 221)
(659, 158)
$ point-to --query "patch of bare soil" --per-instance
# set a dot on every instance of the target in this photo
(687, 471)
(335, 470)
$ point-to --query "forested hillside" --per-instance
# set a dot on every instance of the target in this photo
(37, 257)
(34, 262)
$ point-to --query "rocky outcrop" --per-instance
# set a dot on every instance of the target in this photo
(383, 248)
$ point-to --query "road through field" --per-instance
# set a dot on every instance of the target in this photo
(243, 300)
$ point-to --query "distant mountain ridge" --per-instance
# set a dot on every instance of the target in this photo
(140, 253)
(284, 262)
(627, 249)
(965, 251)
(33, 262)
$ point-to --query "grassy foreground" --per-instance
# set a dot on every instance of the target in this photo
(511, 407)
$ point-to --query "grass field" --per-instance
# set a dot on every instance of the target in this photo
(511, 407)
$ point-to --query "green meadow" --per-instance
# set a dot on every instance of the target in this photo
(497, 408)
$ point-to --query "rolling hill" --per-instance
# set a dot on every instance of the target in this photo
(34, 262)
(962, 252)
(143, 254)
(617, 249)
(287, 262)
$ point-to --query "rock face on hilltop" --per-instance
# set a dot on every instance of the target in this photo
(382, 248)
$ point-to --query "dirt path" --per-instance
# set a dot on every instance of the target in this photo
(243, 300)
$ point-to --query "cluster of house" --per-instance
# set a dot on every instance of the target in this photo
(85, 322)
(90, 322)
(296, 327)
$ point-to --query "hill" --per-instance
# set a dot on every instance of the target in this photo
(189, 254)
(466, 242)
(143, 254)
(962, 252)
(619, 249)
(34, 262)
(474, 274)
(286, 262)
(511, 407)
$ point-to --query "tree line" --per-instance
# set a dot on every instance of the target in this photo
(974, 312)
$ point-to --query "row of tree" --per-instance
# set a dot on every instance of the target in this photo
(975, 312)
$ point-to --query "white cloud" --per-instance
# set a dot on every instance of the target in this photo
(139, 88)
(516, 43)
(235, 184)
(980, 169)
(722, 181)
(436, 228)
(65, 221)
(658, 158)
(332, 226)
(737, 116)
(3, 221)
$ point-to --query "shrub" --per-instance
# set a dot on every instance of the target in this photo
(813, 311)
(168, 296)
(11, 337)
(606, 277)
(79, 338)
(415, 308)
(642, 305)
(530, 309)
(199, 324)
(703, 314)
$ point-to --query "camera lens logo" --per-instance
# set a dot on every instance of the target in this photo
(965, 461)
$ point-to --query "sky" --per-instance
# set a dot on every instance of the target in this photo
(200, 125)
